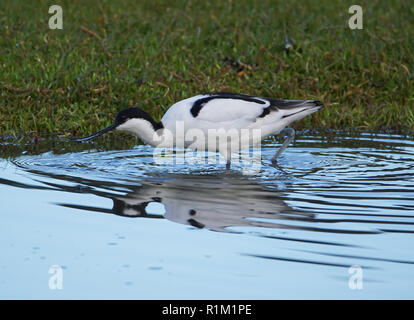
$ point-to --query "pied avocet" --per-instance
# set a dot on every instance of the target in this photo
(237, 121)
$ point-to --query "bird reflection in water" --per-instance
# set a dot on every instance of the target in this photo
(205, 201)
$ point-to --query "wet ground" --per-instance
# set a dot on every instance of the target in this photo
(334, 220)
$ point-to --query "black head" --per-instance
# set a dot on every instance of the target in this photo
(122, 117)
(131, 113)
(135, 113)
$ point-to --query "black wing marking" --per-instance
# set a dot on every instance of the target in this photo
(274, 104)
(198, 105)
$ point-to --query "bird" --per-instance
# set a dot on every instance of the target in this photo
(223, 122)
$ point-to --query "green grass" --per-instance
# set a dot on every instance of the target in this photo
(154, 53)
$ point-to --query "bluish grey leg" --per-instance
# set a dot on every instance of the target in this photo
(228, 154)
(290, 132)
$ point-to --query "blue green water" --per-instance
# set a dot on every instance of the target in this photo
(120, 226)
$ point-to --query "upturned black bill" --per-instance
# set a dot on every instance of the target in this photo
(96, 134)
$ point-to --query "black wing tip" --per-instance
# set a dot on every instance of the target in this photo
(317, 103)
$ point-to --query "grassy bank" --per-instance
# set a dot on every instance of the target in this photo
(114, 54)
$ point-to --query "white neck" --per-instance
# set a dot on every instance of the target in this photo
(143, 129)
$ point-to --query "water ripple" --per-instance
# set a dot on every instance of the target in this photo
(325, 193)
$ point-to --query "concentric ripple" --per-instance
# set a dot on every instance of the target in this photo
(350, 192)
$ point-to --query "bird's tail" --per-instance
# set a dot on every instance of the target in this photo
(293, 110)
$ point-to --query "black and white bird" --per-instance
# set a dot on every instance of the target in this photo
(237, 121)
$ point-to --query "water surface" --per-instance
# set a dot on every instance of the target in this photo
(122, 226)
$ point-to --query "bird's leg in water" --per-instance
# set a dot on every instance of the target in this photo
(228, 153)
(290, 132)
